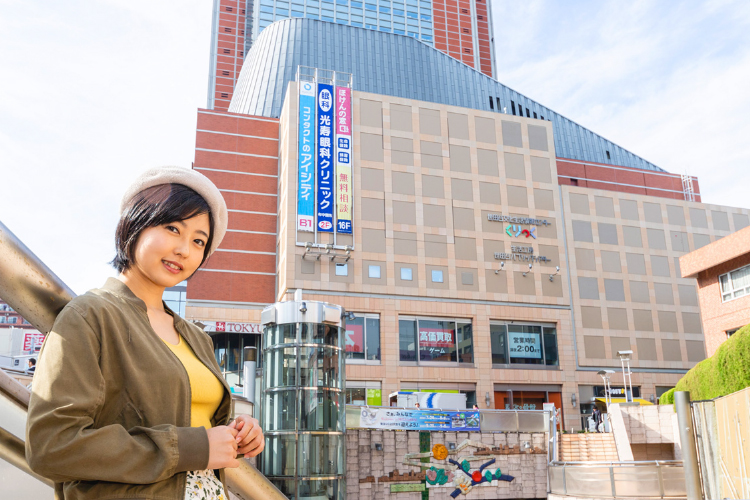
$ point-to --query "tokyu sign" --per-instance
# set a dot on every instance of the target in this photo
(232, 327)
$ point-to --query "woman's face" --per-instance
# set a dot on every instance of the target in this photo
(171, 253)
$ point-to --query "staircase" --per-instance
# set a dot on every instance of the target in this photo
(588, 447)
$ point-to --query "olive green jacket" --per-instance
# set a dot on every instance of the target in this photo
(109, 415)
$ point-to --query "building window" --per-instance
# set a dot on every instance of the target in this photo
(342, 269)
(363, 393)
(406, 274)
(176, 298)
(373, 272)
(731, 332)
(363, 338)
(227, 51)
(735, 284)
(437, 276)
(523, 344)
(446, 340)
(608, 157)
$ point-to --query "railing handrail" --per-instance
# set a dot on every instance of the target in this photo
(639, 463)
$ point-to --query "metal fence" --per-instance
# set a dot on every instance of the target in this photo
(652, 479)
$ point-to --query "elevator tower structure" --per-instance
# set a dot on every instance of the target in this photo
(302, 406)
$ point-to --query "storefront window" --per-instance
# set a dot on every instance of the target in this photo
(363, 338)
(524, 344)
(363, 393)
(407, 335)
(446, 340)
(228, 350)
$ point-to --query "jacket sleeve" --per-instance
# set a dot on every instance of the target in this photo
(62, 442)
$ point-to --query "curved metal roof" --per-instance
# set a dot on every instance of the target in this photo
(400, 66)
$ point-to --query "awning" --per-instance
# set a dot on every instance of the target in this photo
(642, 402)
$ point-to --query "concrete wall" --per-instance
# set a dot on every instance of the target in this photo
(529, 470)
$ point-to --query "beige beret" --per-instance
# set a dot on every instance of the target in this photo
(192, 179)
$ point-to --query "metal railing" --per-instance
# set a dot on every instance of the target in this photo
(651, 479)
(33, 290)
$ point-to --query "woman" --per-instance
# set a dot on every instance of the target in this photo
(128, 400)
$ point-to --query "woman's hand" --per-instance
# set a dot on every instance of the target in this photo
(222, 447)
(250, 440)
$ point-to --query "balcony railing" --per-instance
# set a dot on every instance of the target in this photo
(651, 479)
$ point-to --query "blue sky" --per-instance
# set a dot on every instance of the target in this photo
(92, 93)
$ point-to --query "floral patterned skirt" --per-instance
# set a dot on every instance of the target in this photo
(204, 485)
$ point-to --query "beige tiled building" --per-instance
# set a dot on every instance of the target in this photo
(472, 269)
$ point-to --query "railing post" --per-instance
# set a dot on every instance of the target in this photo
(661, 479)
(687, 442)
(612, 480)
(565, 482)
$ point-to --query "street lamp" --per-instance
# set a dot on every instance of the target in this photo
(605, 374)
(626, 376)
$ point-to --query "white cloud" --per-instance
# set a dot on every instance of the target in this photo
(93, 93)
(667, 81)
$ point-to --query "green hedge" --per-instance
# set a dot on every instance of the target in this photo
(727, 371)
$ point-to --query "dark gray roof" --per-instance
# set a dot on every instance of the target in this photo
(401, 66)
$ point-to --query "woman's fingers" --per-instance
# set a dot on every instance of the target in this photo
(254, 447)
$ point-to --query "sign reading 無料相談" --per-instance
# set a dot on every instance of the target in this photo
(306, 158)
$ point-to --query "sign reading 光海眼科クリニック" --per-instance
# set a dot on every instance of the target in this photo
(344, 160)
(306, 158)
(325, 170)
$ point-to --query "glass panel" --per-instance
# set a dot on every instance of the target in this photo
(281, 367)
(320, 411)
(288, 487)
(524, 344)
(437, 340)
(355, 338)
(282, 462)
(321, 455)
(220, 348)
(406, 338)
(674, 481)
(724, 279)
(233, 379)
(373, 338)
(319, 367)
(281, 334)
(550, 347)
(234, 355)
(357, 396)
(637, 482)
(313, 333)
(279, 410)
(740, 278)
(465, 350)
(497, 336)
(584, 480)
(329, 489)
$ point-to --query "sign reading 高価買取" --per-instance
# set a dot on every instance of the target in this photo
(306, 158)
(325, 170)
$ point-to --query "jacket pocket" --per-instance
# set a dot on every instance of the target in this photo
(129, 417)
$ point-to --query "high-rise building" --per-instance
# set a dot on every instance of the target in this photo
(459, 28)
(498, 248)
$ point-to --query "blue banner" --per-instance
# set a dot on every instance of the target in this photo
(326, 174)
(306, 158)
(419, 420)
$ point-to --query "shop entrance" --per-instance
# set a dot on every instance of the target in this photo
(532, 399)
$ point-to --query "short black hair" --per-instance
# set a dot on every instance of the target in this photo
(32, 361)
(153, 207)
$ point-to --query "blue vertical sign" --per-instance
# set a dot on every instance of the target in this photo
(306, 158)
(326, 176)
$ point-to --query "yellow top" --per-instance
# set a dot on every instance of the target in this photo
(205, 388)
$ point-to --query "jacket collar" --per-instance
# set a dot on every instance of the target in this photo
(121, 290)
